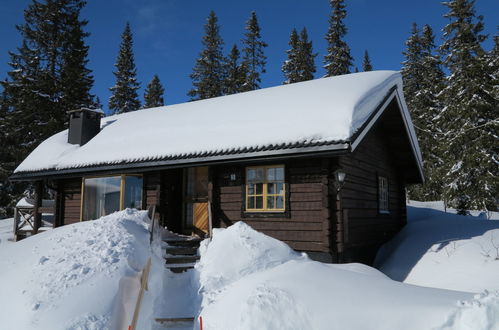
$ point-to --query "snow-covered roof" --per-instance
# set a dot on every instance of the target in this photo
(322, 112)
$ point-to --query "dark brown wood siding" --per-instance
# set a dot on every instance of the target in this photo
(304, 226)
(365, 228)
(71, 189)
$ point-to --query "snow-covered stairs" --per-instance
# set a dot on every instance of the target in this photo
(181, 299)
(181, 253)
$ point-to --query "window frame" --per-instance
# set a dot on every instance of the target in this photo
(265, 194)
(122, 189)
(383, 195)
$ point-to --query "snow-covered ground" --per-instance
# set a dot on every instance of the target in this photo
(6, 232)
(70, 277)
(75, 277)
(444, 250)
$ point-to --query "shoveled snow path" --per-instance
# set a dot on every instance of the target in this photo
(180, 299)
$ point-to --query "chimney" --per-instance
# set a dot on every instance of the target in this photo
(84, 124)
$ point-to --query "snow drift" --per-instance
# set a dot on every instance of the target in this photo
(251, 281)
(444, 250)
(68, 278)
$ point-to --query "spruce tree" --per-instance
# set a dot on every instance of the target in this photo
(306, 57)
(366, 63)
(338, 59)
(423, 81)
(290, 66)
(153, 96)
(300, 65)
(124, 96)
(76, 78)
(469, 119)
(235, 76)
(253, 56)
(208, 73)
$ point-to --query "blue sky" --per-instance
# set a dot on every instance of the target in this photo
(167, 33)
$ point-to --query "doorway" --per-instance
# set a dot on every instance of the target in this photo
(196, 218)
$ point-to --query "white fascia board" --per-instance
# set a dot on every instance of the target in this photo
(409, 128)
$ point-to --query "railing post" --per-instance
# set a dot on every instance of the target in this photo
(38, 204)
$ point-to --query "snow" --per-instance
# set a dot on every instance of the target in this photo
(69, 277)
(85, 276)
(322, 110)
(29, 203)
(444, 250)
(251, 281)
(6, 232)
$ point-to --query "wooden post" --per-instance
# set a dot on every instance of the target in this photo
(16, 222)
(340, 245)
(38, 204)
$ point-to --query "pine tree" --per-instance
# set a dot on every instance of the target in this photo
(76, 78)
(423, 81)
(306, 57)
(235, 76)
(153, 96)
(338, 59)
(253, 56)
(208, 73)
(48, 67)
(290, 66)
(124, 96)
(366, 63)
(469, 118)
(300, 65)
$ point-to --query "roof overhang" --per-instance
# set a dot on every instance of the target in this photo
(324, 150)
(393, 95)
(257, 155)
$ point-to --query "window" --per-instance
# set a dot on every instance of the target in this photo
(265, 189)
(383, 201)
(105, 195)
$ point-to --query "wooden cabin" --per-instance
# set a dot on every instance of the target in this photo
(321, 165)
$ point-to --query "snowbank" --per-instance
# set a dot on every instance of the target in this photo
(6, 232)
(68, 278)
(444, 250)
(251, 281)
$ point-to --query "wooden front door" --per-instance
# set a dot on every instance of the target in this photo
(196, 201)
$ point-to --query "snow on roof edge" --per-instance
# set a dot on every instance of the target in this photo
(366, 100)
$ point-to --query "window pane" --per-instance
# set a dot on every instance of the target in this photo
(101, 197)
(271, 174)
(279, 202)
(251, 202)
(271, 188)
(259, 202)
(280, 188)
(279, 173)
(133, 192)
(259, 174)
(270, 202)
(259, 188)
(251, 188)
(251, 174)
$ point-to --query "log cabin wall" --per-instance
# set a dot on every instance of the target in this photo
(71, 190)
(365, 229)
(305, 225)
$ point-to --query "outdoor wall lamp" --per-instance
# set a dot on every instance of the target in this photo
(339, 176)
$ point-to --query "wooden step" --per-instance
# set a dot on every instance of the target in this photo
(180, 268)
(183, 243)
(175, 319)
(186, 250)
(181, 259)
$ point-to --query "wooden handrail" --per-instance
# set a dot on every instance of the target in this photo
(143, 287)
(210, 221)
